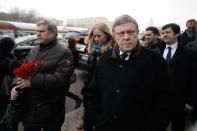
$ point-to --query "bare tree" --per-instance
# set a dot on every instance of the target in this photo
(28, 16)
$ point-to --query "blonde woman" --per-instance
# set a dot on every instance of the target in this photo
(99, 40)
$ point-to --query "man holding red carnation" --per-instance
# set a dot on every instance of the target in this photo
(43, 99)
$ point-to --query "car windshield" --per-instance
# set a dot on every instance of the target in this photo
(30, 37)
(61, 41)
(21, 39)
(73, 34)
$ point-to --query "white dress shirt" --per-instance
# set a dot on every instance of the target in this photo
(128, 54)
(173, 49)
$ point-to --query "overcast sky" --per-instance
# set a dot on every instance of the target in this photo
(160, 11)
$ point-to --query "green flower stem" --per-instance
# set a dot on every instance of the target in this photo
(8, 116)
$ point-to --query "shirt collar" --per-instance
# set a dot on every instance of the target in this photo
(123, 53)
(173, 46)
(135, 53)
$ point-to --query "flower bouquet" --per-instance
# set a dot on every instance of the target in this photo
(25, 71)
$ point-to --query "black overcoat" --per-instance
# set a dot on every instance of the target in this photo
(135, 94)
(183, 67)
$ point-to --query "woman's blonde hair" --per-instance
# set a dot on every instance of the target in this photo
(109, 37)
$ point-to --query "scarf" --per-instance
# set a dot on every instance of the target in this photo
(97, 47)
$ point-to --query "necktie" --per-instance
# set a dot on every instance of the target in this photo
(123, 56)
(168, 57)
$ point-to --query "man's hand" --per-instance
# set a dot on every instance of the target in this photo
(188, 108)
(23, 83)
(14, 93)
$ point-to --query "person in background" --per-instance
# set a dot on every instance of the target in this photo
(151, 40)
(75, 54)
(99, 41)
(131, 88)
(43, 96)
(182, 62)
(193, 44)
(7, 64)
(189, 34)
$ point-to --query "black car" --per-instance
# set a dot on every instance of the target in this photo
(25, 43)
(78, 36)
(83, 57)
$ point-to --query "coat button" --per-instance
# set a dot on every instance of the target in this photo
(115, 116)
(117, 91)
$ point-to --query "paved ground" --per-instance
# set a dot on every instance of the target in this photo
(73, 120)
(73, 117)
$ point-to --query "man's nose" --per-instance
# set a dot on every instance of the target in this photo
(145, 37)
(38, 33)
(126, 36)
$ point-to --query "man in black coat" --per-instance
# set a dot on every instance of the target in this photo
(7, 65)
(188, 35)
(131, 88)
(43, 96)
(182, 62)
(151, 39)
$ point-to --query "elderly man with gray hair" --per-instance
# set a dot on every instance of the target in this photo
(131, 88)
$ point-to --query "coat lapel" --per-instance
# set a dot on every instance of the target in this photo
(177, 53)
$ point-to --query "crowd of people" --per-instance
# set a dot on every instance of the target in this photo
(130, 85)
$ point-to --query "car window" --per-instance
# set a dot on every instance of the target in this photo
(61, 41)
(22, 39)
(73, 34)
(32, 42)
(84, 33)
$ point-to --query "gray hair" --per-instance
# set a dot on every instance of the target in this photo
(122, 20)
(51, 26)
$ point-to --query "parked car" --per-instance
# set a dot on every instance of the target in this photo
(25, 43)
(83, 57)
(78, 36)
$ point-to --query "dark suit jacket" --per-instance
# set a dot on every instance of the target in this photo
(183, 67)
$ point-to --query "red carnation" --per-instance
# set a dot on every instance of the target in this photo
(28, 69)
